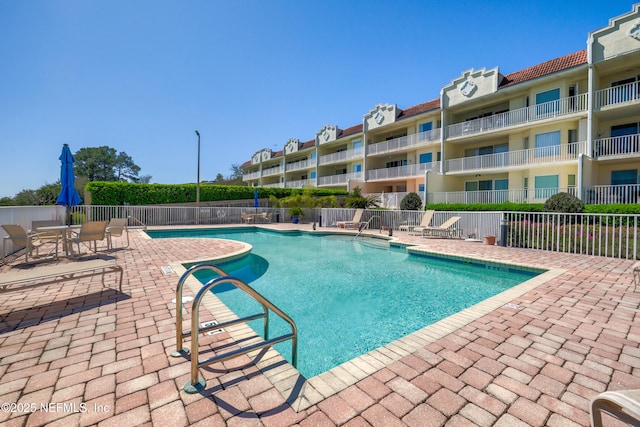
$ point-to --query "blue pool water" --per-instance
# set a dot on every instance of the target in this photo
(347, 296)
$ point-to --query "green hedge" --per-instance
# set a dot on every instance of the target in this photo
(633, 209)
(119, 193)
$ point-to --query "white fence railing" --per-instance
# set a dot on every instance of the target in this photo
(339, 179)
(340, 156)
(301, 183)
(617, 95)
(608, 235)
(272, 171)
(300, 164)
(404, 142)
(517, 158)
(547, 110)
(616, 146)
(402, 171)
(606, 194)
(537, 195)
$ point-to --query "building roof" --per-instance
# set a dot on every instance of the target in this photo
(434, 104)
(553, 66)
(351, 130)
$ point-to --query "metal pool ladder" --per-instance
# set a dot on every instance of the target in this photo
(365, 226)
(196, 384)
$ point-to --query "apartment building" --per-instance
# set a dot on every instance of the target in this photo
(569, 124)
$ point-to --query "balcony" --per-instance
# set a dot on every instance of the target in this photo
(605, 194)
(626, 145)
(538, 195)
(517, 158)
(272, 171)
(301, 164)
(251, 176)
(548, 110)
(301, 183)
(404, 143)
(623, 94)
(340, 156)
(339, 179)
(409, 171)
(276, 185)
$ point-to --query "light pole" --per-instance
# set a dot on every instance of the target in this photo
(198, 182)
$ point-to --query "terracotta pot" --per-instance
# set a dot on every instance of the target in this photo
(490, 240)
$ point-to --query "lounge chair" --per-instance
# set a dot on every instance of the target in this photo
(20, 238)
(444, 230)
(623, 405)
(90, 231)
(417, 229)
(116, 228)
(354, 223)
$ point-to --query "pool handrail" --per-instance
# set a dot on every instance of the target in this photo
(196, 384)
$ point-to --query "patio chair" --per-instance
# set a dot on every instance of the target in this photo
(623, 405)
(354, 223)
(46, 235)
(444, 230)
(21, 238)
(246, 218)
(266, 217)
(116, 228)
(90, 231)
(417, 229)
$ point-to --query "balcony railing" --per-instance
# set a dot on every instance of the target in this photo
(531, 156)
(339, 179)
(547, 110)
(531, 195)
(272, 171)
(340, 156)
(301, 183)
(404, 142)
(605, 194)
(300, 164)
(408, 171)
(629, 92)
(276, 185)
(250, 176)
(616, 146)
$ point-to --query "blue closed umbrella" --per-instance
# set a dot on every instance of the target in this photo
(256, 204)
(68, 195)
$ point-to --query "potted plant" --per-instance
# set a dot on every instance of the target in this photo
(295, 213)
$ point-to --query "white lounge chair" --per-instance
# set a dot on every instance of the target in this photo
(417, 229)
(623, 405)
(354, 223)
(444, 230)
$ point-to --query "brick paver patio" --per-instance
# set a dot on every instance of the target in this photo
(76, 353)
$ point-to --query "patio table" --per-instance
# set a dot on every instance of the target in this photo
(64, 232)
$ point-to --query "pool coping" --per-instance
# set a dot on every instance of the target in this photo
(302, 393)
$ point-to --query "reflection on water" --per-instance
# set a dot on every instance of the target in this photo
(248, 269)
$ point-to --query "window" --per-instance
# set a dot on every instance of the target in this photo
(547, 103)
(624, 177)
(357, 146)
(313, 175)
(357, 168)
(313, 155)
(425, 127)
(545, 186)
(426, 157)
(571, 180)
(548, 144)
(421, 188)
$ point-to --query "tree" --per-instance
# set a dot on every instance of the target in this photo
(105, 164)
(236, 172)
(411, 202)
(358, 201)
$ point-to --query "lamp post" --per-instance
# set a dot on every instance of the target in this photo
(198, 182)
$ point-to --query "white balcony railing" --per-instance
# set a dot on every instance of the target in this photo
(272, 171)
(404, 142)
(300, 164)
(301, 183)
(517, 158)
(531, 195)
(547, 110)
(616, 146)
(276, 185)
(250, 176)
(408, 171)
(339, 179)
(340, 156)
(629, 92)
(605, 194)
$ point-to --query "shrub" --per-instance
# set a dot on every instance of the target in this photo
(411, 202)
(563, 202)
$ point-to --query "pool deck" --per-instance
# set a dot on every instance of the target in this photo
(76, 353)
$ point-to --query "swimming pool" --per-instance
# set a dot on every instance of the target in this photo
(348, 296)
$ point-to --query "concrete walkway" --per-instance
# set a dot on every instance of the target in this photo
(76, 353)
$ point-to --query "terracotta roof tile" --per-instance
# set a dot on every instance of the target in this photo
(351, 131)
(434, 104)
(308, 144)
(546, 68)
(246, 164)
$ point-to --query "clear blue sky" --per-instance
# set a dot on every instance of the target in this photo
(141, 76)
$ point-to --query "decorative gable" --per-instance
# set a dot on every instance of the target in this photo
(327, 134)
(620, 37)
(382, 115)
(261, 156)
(471, 84)
(292, 145)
